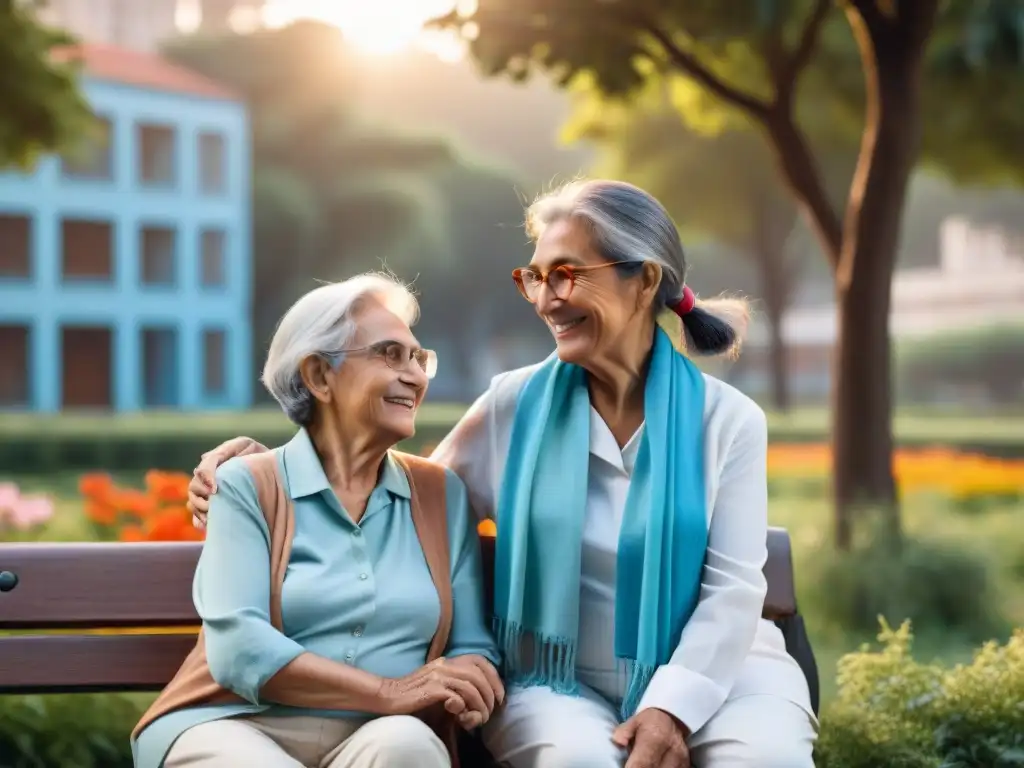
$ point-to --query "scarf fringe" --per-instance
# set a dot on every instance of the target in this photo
(554, 658)
(638, 677)
(554, 665)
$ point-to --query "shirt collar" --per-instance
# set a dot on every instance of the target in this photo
(305, 476)
(605, 447)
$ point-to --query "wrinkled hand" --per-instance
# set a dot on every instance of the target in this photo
(464, 688)
(655, 739)
(203, 485)
(470, 719)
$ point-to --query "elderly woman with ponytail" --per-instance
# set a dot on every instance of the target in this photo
(630, 496)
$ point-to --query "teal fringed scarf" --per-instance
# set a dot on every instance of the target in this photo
(541, 509)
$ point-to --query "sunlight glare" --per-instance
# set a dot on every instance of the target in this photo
(373, 26)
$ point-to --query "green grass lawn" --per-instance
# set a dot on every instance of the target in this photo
(994, 535)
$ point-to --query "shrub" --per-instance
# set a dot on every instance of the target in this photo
(895, 712)
(933, 584)
(83, 731)
(990, 359)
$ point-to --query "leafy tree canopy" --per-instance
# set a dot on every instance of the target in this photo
(41, 108)
(722, 63)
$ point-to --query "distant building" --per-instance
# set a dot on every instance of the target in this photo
(125, 273)
(145, 25)
(979, 283)
(140, 25)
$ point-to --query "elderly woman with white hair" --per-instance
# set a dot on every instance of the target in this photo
(630, 495)
(339, 585)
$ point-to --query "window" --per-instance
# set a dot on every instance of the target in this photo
(14, 373)
(15, 246)
(86, 362)
(214, 372)
(157, 257)
(156, 155)
(95, 159)
(87, 250)
(159, 373)
(213, 271)
(212, 156)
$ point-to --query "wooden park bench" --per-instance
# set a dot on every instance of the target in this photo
(81, 587)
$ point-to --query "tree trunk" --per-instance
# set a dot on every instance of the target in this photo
(776, 274)
(892, 51)
(864, 255)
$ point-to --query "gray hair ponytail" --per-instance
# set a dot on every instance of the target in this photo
(629, 225)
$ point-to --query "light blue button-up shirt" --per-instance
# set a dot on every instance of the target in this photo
(357, 594)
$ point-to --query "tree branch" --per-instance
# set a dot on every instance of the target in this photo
(689, 64)
(797, 62)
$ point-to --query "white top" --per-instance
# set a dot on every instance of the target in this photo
(725, 648)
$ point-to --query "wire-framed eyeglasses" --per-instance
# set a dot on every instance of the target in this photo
(396, 355)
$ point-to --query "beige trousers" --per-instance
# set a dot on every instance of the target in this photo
(309, 742)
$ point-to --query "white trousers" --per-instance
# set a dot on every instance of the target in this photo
(538, 728)
(309, 742)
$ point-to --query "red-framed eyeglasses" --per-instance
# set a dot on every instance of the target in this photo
(560, 279)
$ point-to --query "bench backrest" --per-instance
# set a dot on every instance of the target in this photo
(73, 591)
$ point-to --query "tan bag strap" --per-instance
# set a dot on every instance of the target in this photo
(279, 513)
(428, 481)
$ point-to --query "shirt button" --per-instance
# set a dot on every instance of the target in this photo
(357, 532)
(363, 576)
(349, 656)
(358, 631)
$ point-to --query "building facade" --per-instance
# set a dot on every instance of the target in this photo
(145, 25)
(125, 270)
(978, 283)
(141, 25)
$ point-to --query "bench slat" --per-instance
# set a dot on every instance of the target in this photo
(98, 585)
(90, 663)
(68, 586)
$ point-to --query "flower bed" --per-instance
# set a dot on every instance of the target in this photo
(968, 480)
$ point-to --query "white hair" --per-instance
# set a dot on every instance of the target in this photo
(321, 322)
(627, 224)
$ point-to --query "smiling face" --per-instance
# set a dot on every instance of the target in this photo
(605, 310)
(376, 389)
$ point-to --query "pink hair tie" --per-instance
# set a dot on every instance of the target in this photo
(686, 304)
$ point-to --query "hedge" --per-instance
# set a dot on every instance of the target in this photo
(34, 444)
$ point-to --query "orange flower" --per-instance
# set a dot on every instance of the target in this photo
(132, 534)
(100, 512)
(96, 485)
(171, 487)
(168, 524)
(135, 503)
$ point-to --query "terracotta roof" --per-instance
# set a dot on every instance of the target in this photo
(143, 70)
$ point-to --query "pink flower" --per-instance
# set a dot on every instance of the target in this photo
(23, 512)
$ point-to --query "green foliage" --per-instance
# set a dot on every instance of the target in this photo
(990, 359)
(970, 116)
(41, 108)
(336, 194)
(83, 731)
(938, 586)
(896, 712)
(332, 194)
